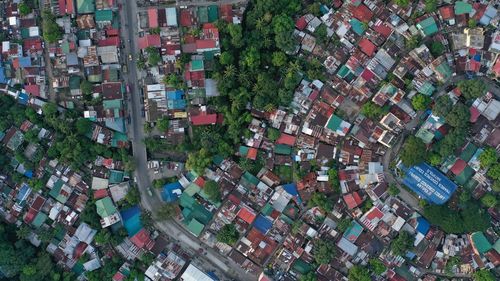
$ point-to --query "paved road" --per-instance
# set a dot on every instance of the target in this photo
(212, 259)
(48, 64)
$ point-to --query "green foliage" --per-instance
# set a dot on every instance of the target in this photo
(377, 266)
(163, 124)
(436, 48)
(199, 161)
(173, 80)
(430, 6)
(496, 186)
(51, 31)
(212, 189)
(442, 106)
(86, 87)
(413, 151)
(83, 126)
(153, 55)
(469, 218)
(324, 251)
(483, 275)
(333, 179)
(451, 142)
(472, 23)
(228, 234)
(372, 111)
(167, 211)
(472, 89)
(236, 33)
(421, 102)
(155, 30)
(226, 58)
(310, 276)
(283, 26)
(279, 59)
(459, 116)
(24, 9)
(344, 224)
(273, 134)
(320, 200)
(488, 157)
(494, 172)
(321, 34)
(359, 273)
(489, 200)
(435, 159)
(393, 190)
(413, 42)
(402, 243)
(133, 196)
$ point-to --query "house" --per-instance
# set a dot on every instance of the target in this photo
(13, 139)
(107, 211)
(428, 26)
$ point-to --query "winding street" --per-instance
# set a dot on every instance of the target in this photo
(212, 260)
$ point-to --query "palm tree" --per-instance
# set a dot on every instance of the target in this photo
(230, 72)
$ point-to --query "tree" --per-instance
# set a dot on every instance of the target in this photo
(451, 142)
(483, 275)
(83, 126)
(320, 200)
(344, 224)
(436, 48)
(413, 151)
(199, 161)
(333, 179)
(321, 34)
(283, 26)
(212, 189)
(163, 124)
(421, 102)
(372, 111)
(324, 251)
(273, 134)
(103, 236)
(173, 80)
(310, 276)
(494, 172)
(236, 33)
(23, 232)
(133, 196)
(155, 30)
(472, 89)
(377, 266)
(488, 157)
(402, 243)
(24, 9)
(489, 200)
(86, 87)
(393, 190)
(413, 42)
(359, 273)
(442, 106)
(228, 234)
(459, 116)
(496, 186)
(167, 211)
(51, 30)
(226, 58)
(430, 6)
(279, 59)
(469, 218)
(153, 55)
(435, 159)
(472, 23)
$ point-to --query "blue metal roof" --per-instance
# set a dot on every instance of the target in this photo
(429, 183)
(2, 75)
(131, 218)
(263, 224)
(423, 225)
(23, 98)
(24, 62)
(175, 95)
(168, 194)
(23, 193)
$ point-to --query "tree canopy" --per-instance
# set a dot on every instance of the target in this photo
(359, 273)
(228, 234)
(324, 251)
(320, 200)
(436, 48)
(167, 211)
(413, 151)
(212, 189)
(402, 243)
(199, 161)
(372, 111)
(442, 106)
(421, 102)
(488, 157)
(472, 89)
(459, 116)
(51, 30)
(468, 218)
(163, 124)
(483, 275)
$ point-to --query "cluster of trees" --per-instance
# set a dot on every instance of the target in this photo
(421, 102)
(472, 89)
(212, 190)
(322, 201)
(402, 243)
(413, 151)
(154, 56)
(51, 30)
(228, 234)
(468, 217)
(324, 251)
(19, 260)
(373, 111)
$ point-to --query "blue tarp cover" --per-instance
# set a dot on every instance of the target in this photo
(167, 194)
(429, 183)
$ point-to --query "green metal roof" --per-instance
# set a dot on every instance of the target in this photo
(56, 190)
(343, 71)
(334, 123)
(103, 16)
(192, 189)
(357, 26)
(115, 176)
(74, 82)
(85, 6)
(243, 150)
(468, 152)
(186, 201)
(428, 26)
(105, 207)
(107, 104)
(218, 159)
(282, 149)
(213, 13)
(425, 135)
(39, 219)
(480, 242)
(464, 176)
(197, 65)
(250, 178)
(25, 33)
(202, 14)
(427, 89)
(195, 227)
(301, 266)
(445, 70)
(462, 7)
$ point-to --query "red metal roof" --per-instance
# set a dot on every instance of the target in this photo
(119, 276)
(32, 44)
(447, 12)
(458, 167)
(110, 41)
(383, 29)
(141, 239)
(32, 89)
(367, 74)
(200, 182)
(362, 13)
(207, 119)
(150, 40)
(301, 23)
(496, 67)
(352, 200)
(153, 17)
(367, 47)
(205, 44)
(247, 215)
(226, 12)
(375, 213)
(286, 139)
(252, 153)
(185, 18)
(474, 114)
(101, 193)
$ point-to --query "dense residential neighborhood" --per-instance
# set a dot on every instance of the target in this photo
(250, 140)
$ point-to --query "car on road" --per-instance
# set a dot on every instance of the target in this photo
(135, 179)
(150, 191)
(128, 88)
(130, 57)
(143, 113)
